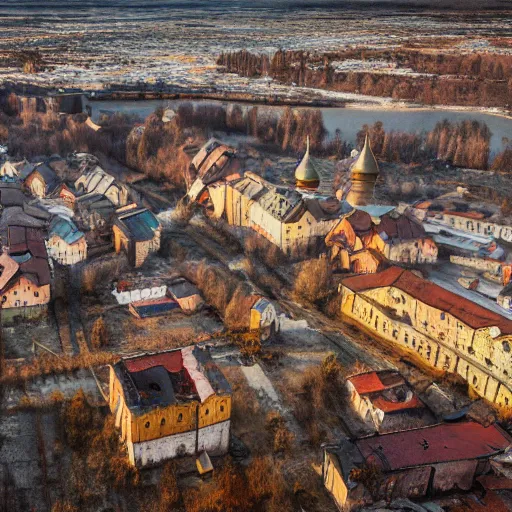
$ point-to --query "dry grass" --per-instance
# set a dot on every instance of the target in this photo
(101, 271)
(319, 396)
(48, 364)
(260, 487)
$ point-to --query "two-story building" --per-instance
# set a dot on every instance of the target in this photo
(170, 404)
(446, 330)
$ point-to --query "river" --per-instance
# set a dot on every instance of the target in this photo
(348, 120)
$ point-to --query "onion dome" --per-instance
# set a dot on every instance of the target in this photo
(306, 176)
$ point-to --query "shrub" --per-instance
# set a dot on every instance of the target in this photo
(282, 438)
(313, 280)
(99, 334)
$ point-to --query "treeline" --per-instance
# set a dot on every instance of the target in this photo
(465, 144)
(472, 80)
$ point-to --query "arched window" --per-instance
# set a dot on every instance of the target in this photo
(162, 422)
(147, 424)
(180, 417)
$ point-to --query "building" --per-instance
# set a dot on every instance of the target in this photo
(359, 244)
(354, 245)
(137, 232)
(26, 292)
(364, 174)
(264, 319)
(417, 463)
(42, 181)
(405, 239)
(66, 194)
(96, 181)
(185, 294)
(385, 401)
(136, 290)
(461, 216)
(149, 308)
(306, 174)
(215, 161)
(505, 298)
(446, 330)
(170, 404)
(287, 218)
(66, 243)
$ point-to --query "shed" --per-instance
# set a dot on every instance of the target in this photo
(185, 294)
(152, 307)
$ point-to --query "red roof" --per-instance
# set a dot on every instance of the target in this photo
(171, 361)
(435, 296)
(388, 406)
(367, 383)
(434, 444)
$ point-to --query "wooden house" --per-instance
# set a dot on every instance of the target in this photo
(66, 243)
(137, 232)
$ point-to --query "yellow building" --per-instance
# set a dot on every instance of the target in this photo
(448, 331)
(287, 218)
(170, 404)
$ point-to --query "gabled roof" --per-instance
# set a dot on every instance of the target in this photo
(466, 311)
(65, 229)
(403, 227)
(139, 224)
(51, 180)
(433, 445)
(8, 268)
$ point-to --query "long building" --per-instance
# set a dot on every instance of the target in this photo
(448, 331)
(170, 404)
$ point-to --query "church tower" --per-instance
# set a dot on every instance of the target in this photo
(364, 174)
(306, 176)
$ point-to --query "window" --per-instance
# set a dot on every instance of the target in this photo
(221, 408)
(447, 362)
(15, 292)
(36, 294)
(414, 342)
(403, 299)
(180, 417)
(147, 424)
(506, 347)
(154, 386)
(162, 422)
(207, 412)
(395, 333)
(475, 381)
(443, 315)
(406, 338)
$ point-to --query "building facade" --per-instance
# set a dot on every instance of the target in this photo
(170, 404)
(446, 330)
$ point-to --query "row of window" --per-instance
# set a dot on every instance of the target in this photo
(180, 417)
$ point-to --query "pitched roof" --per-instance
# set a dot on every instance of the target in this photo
(181, 288)
(65, 229)
(434, 444)
(403, 227)
(466, 311)
(366, 163)
(139, 224)
(8, 267)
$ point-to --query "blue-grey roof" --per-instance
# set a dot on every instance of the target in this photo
(156, 309)
(140, 224)
(65, 229)
(50, 178)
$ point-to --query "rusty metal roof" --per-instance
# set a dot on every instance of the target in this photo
(434, 444)
(468, 312)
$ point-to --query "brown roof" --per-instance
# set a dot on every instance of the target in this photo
(466, 311)
(434, 444)
(403, 227)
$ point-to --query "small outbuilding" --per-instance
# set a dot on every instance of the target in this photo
(42, 181)
(385, 401)
(66, 243)
(137, 232)
(185, 294)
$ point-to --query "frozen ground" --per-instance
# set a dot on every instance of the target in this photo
(91, 43)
